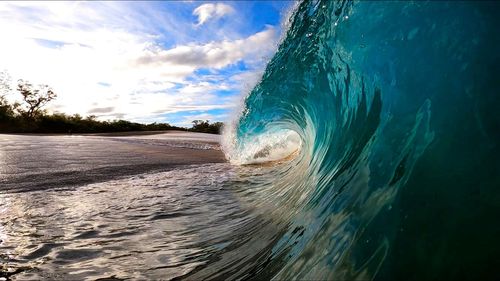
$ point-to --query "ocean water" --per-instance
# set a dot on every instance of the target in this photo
(367, 151)
(392, 111)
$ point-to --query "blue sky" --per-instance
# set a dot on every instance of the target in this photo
(142, 61)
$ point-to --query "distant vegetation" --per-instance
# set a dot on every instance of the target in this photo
(30, 117)
(205, 127)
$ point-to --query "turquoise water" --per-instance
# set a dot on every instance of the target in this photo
(393, 109)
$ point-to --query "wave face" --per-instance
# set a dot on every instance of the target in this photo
(379, 124)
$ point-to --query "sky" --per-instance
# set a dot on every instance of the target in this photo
(142, 61)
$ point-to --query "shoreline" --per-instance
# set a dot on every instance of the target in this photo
(133, 133)
(110, 134)
(63, 180)
(34, 162)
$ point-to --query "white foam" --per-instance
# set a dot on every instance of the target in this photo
(267, 147)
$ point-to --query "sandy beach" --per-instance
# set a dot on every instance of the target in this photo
(32, 162)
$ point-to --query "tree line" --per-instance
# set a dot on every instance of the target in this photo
(31, 117)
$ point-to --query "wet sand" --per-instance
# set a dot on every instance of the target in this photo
(34, 162)
(135, 133)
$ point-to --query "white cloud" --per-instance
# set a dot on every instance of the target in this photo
(210, 11)
(214, 54)
(101, 60)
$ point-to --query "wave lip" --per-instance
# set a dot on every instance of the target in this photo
(268, 147)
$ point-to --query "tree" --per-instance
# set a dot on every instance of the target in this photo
(6, 109)
(91, 118)
(205, 127)
(35, 97)
(200, 125)
(217, 127)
